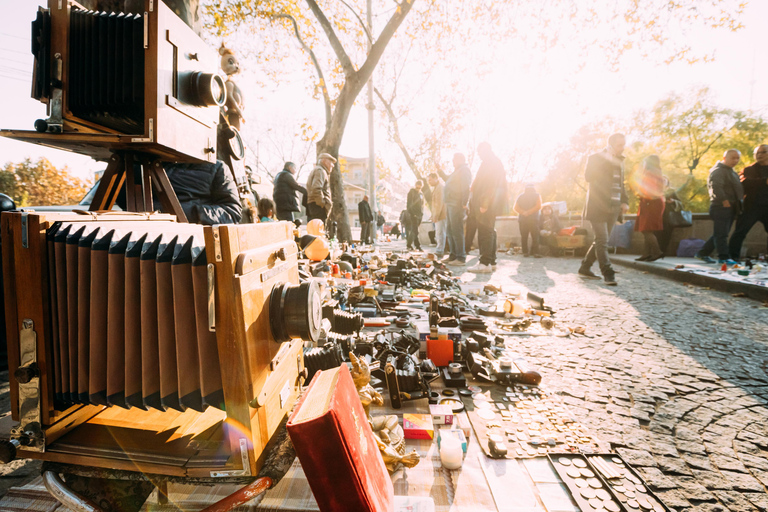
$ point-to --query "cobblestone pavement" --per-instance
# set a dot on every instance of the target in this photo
(673, 376)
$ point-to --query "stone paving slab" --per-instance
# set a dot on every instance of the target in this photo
(713, 278)
(673, 376)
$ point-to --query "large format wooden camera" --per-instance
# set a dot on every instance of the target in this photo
(142, 82)
(142, 344)
(132, 89)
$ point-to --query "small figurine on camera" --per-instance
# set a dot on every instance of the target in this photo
(386, 429)
(233, 109)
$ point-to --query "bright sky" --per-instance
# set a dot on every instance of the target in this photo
(528, 106)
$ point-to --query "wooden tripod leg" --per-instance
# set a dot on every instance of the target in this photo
(109, 185)
(167, 195)
(131, 203)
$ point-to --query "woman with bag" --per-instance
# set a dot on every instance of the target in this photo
(649, 186)
(674, 215)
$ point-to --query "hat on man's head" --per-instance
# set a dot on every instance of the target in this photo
(326, 155)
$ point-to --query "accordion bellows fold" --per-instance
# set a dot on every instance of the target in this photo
(129, 316)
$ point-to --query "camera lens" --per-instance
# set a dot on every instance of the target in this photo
(207, 89)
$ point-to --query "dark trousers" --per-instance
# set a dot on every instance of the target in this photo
(281, 215)
(599, 248)
(469, 233)
(413, 233)
(486, 240)
(743, 224)
(529, 226)
(664, 237)
(315, 211)
(455, 217)
(722, 218)
(365, 233)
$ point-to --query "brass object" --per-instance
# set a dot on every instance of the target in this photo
(386, 429)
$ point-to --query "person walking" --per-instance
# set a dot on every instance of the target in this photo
(319, 200)
(380, 221)
(606, 200)
(672, 205)
(284, 192)
(365, 216)
(456, 195)
(438, 209)
(415, 209)
(754, 180)
(725, 204)
(527, 206)
(488, 197)
(404, 223)
(649, 185)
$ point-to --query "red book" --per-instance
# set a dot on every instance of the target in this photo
(336, 447)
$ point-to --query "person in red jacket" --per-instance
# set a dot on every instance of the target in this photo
(754, 179)
(649, 185)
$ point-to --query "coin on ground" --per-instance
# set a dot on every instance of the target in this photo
(587, 492)
(611, 506)
(594, 483)
(579, 463)
(596, 504)
(603, 494)
(564, 461)
(632, 504)
(486, 414)
(586, 473)
(581, 483)
(573, 473)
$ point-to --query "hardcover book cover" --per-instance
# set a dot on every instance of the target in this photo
(336, 447)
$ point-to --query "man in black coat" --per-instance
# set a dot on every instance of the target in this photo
(754, 180)
(415, 208)
(284, 192)
(365, 215)
(207, 192)
(488, 197)
(606, 200)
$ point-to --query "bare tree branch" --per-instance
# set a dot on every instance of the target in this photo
(377, 50)
(360, 20)
(320, 76)
(338, 48)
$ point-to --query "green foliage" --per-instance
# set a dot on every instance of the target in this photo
(40, 184)
(689, 133)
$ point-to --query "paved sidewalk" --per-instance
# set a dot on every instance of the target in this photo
(673, 376)
(693, 271)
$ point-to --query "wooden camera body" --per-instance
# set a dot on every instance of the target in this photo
(143, 82)
(143, 344)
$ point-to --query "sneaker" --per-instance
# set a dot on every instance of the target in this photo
(451, 259)
(588, 274)
(705, 259)
(728, 262)
(480, 269)
(610, 280)
(456, 263)
(493, 267)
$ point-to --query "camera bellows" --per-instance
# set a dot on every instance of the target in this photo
(106, 69)
(130, 316)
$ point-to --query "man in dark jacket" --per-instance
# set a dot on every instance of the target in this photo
(456, 195)
(489, 194)
(606, 200)
(725, 204)
(415, 208)
(284, 192)
(754, 179)
(365, 215)
(207, 192)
